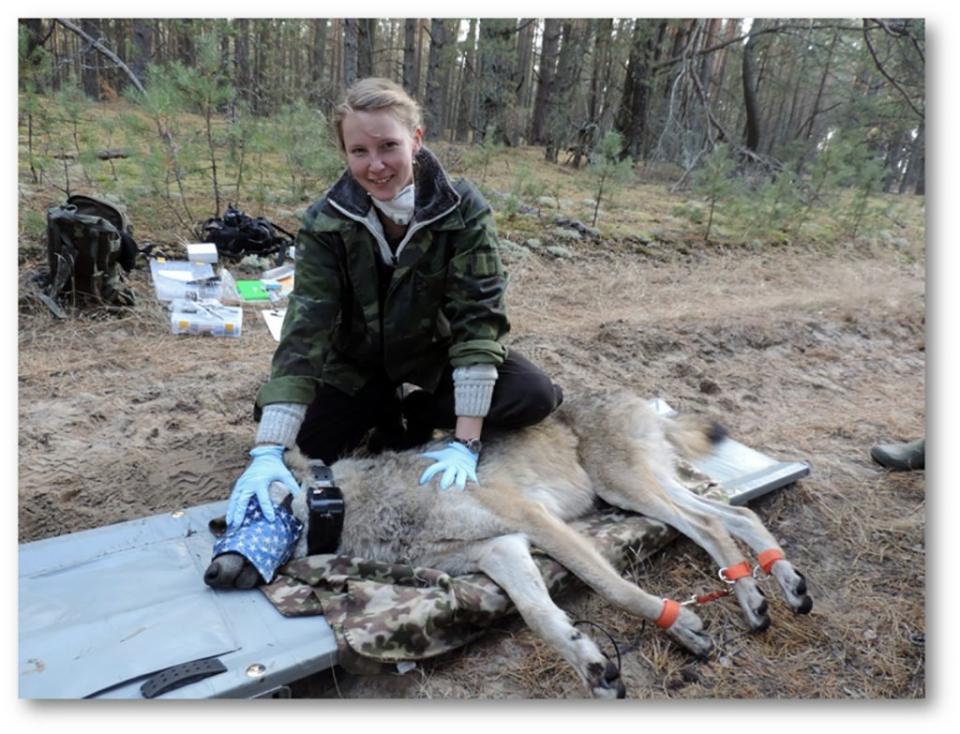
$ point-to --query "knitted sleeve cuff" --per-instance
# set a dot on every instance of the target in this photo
(473, 389)
(280, 423)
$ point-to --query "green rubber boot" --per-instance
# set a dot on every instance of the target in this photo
(900, 456)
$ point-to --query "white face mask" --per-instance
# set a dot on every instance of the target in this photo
(400, 208)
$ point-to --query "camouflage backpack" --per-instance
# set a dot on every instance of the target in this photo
(88, 240)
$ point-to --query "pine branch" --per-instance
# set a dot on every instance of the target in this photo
(104, 50)
(879, 65)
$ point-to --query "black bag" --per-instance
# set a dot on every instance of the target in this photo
(236, 235)
(88, 241)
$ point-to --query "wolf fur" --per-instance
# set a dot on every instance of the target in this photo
(612, 446)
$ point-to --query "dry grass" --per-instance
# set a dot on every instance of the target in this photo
(803, 353)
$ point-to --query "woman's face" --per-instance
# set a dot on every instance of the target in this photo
(380, 151)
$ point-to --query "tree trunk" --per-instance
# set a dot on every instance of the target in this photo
(631, 121)
(350, 50)
(657, 45)
(731, 31)
(914, 178)
(91, 59)
(421, 39)
(752, 137)
(318, 57)
(795, 100)
(549, 54)
(366, 30)
(448, 75)
(227, 60)
(822, 86)
(561, 124)
(336, 56)
(603, 30)
(185, 42)
(468, 84)
(894, 159)
(496, 77)
(615, 73)
(114, 29)
(399, 52)
(259, 65)
(410, 81)
(34, 28)
(708, 63)
(35, 39)
(433, 100)
(528, 27)
(158, 42)
(241, 79)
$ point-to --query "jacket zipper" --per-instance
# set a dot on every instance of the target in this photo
(392, 257)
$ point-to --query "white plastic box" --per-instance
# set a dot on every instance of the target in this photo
(205, 316)
(202, 252)
(183, 279)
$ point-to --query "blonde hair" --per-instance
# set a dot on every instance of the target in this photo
(375, 93)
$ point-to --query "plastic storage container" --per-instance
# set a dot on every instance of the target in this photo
(205, 316)
(202, 252)
(183, 279)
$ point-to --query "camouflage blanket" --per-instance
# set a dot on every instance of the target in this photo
(384, 613)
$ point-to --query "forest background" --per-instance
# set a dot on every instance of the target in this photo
(772, 119)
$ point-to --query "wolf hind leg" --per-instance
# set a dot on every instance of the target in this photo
(632, 484)
(744, 523)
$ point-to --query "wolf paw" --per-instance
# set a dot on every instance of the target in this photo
(753, 603)
(688, 631)
(794, 586)
(604, 681)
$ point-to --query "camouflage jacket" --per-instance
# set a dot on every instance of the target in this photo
(444, 304)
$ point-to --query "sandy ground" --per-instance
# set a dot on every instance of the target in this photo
(803, 355)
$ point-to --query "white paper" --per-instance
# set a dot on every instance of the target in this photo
(274, 319)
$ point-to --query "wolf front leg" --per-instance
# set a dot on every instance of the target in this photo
(580, 556)
(506, 560)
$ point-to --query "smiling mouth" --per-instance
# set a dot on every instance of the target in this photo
(380, 181)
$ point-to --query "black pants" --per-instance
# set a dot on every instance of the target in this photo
(337, 423)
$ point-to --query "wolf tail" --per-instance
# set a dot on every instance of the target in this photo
(694, 436)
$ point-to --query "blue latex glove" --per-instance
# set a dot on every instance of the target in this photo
(267, 467)
(457, 463)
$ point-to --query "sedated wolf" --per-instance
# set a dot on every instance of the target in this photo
(610, 445)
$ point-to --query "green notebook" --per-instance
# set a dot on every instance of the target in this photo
(252, 290)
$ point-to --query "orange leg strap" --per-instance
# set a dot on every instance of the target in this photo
(734, 573)
(768, 558)
(671, 610)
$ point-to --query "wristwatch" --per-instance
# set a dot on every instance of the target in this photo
(472, 444)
